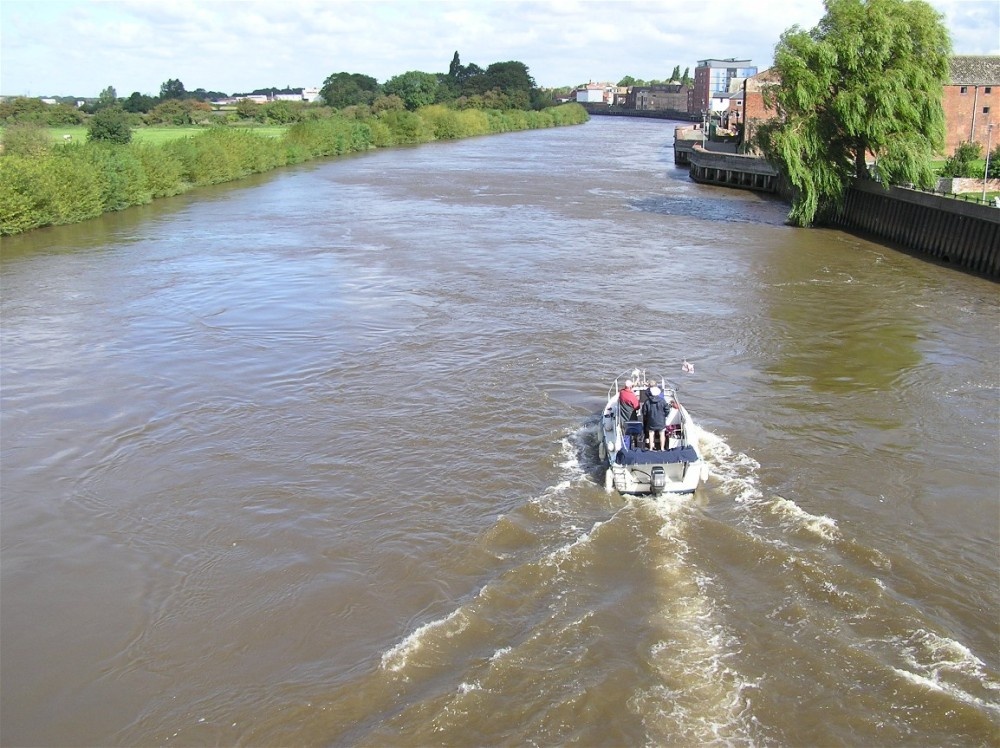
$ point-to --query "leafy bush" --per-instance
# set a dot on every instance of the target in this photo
(408, 128)
(178, 112)
(23, 109)
(26, 139)
(330, 137)
(62, 114)
(280, 112)
(382, 135)
(109, 125)
(203, 160)
(963, 163)
(994, 170)
(164, 175)
(443, 121)
(17, 201)
(120, 176)
(54, 189)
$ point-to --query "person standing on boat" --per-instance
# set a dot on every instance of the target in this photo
(628, 401)
(654, 414)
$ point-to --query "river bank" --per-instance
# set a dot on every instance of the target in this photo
(72, 182)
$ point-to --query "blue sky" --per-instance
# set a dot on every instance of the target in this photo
(80, 47)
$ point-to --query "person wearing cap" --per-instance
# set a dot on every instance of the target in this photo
(654, 414)
(628, 401)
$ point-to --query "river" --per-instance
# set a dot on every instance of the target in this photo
(310, 460)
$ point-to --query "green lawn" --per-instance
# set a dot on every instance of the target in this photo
(157, 135)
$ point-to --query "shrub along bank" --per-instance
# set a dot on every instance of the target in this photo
(73, 182)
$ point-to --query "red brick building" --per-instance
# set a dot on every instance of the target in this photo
(746, 106)
(971, 102)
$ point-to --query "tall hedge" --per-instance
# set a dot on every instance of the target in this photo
(67, 183)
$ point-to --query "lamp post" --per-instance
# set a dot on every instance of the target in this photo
(989, 145)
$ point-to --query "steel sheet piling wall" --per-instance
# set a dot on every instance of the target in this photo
(949, 230)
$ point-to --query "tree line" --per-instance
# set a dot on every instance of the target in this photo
(676, 77)
(501, 86)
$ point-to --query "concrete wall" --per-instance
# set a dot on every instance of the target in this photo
(731, 169)
(965, 185)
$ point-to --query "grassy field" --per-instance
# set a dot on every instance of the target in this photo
(156, 135)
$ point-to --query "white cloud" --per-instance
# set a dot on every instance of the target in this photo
(79, 47)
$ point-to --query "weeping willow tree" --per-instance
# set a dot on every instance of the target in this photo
(866, 83)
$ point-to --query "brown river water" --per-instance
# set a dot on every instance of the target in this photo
(310, 460)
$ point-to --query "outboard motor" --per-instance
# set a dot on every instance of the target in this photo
(657, 479)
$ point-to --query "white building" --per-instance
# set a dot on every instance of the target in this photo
(593, 93)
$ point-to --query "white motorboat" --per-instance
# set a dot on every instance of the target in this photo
(633, 465)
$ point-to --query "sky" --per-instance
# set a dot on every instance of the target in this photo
(80, 47)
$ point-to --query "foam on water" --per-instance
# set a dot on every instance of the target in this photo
(451, 625)
(793, 518)
(839, 598)
(697, 693)
(700, 697)
(943, 664)
(555, 564)
(737, 476)
(734, 472)
(692, 658)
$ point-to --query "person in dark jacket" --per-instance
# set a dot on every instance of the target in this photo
(654, 415)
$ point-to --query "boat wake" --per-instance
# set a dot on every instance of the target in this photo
(575, 563)
(835, 591)
(733, 472)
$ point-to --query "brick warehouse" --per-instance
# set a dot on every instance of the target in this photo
(971, 102)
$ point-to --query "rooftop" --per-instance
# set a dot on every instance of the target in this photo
(975, 70)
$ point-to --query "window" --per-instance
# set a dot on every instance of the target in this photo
(963, 90)
(988, 89)
(986, 110)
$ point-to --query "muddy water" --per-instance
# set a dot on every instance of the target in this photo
(310, 460)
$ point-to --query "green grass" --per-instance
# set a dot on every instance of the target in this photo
(160, 135)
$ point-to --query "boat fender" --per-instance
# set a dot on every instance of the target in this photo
(616, 444)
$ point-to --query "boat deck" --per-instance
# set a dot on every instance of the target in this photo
(670, 456)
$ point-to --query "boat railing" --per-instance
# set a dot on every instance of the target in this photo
(642, 380)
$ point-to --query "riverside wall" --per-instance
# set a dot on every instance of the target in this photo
(731, 170)
(960, 233)
(603, 110)
(953, 231)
